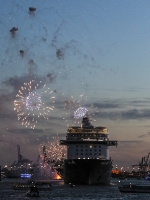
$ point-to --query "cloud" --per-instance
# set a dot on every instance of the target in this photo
(121, 103)
(122, 109)
(16, 82)
(107, 104)
(25, 131)
(129, 142)
(144, 135)
(28, 137)
(131, 114)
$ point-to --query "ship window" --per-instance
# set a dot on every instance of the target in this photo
(99, 150)
(100, 154)
(76, 153)
(99, 146)
(76, 149)
(90, 149)
(95, 150)
(95, 154)
(94, 146)
(76, 146)
(90, 153)
(81, 153)
(81, 149)
(86, 154)
(90, 146)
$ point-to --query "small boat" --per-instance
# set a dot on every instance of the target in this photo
(134, 188)
(33, 192)
(39, 185)
(147, 177)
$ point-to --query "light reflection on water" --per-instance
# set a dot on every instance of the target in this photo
(60, 191)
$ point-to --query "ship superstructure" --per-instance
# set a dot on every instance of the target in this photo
(88, 160)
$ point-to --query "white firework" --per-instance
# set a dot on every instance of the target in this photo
(33, 101)
(80, 112)
(31, 104)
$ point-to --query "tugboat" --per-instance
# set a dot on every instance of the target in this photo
(45, 186)
(88, 160)
(131, 188)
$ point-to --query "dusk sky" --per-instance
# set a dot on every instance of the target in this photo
(89, 53)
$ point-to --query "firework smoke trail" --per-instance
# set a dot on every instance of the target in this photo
(30, 103)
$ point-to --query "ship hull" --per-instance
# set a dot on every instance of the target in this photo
(87, 171)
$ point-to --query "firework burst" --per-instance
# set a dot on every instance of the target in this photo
(55, 151)
(30, 103)
(80, 112)
(75, 108)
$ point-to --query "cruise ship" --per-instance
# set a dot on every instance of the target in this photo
(88, 160)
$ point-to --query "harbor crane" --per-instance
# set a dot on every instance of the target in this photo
(144, 164)
(46, 159)
(21, 159)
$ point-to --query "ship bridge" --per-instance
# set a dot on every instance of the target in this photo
(98, 129)
(88, 133)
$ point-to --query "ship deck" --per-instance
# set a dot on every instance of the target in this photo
(108, 143)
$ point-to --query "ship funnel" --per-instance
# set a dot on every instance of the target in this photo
(86, 123)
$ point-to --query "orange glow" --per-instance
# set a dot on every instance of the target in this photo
(57, 177)
(115, 171)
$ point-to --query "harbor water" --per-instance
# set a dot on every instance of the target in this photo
(60, 191)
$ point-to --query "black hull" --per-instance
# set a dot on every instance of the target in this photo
(13, 175)
(87, 171)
